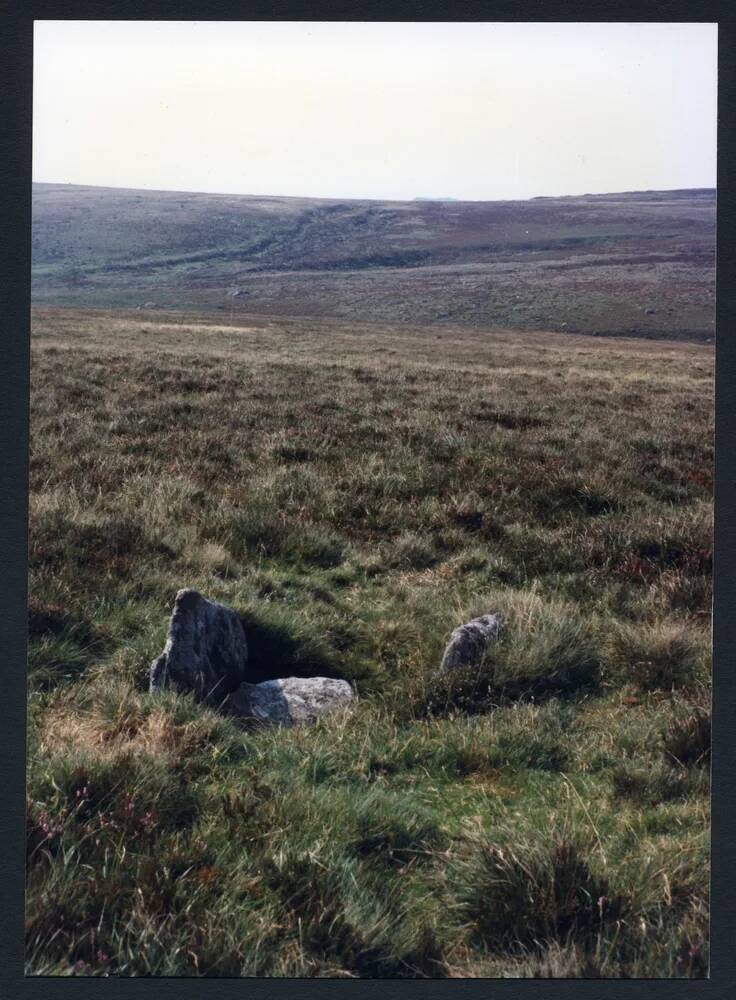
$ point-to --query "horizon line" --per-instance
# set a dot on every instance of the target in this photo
(420, 198)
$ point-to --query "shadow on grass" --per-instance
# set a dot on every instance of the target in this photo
(276, 651)
(471, 692)
(60, 645)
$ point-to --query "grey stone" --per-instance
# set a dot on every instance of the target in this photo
(468, 642)
(205, 652)
(288, 701)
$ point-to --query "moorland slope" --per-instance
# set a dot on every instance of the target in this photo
(636, 264)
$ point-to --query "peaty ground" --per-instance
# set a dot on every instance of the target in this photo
(355, 492)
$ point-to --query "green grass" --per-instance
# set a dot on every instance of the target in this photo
(356, 493)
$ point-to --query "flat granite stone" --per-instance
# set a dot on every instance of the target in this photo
(288, 701)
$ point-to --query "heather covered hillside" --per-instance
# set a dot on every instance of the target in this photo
(636, 264)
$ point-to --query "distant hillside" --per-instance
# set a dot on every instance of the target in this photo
(639, 263)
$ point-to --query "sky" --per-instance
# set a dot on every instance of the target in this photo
(376, 110)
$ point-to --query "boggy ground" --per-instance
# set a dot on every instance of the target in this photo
(356, 492)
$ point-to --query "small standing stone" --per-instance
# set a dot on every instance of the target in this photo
(205, 652)
(468, 642)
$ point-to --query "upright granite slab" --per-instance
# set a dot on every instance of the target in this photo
(205, 652)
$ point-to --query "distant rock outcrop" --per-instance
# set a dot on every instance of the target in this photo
(468, 642)
(290, 700)
(206, 650)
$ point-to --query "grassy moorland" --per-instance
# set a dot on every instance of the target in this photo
(356, 492)
(641, 263)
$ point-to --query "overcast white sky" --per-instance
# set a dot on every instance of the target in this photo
(371, 110)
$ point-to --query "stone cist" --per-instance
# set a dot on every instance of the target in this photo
(206, 652)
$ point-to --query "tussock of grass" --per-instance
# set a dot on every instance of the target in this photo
(387, 831)
(663, 656)
(687, 739)
(521, 894)
(259, 530)
(654, 784)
